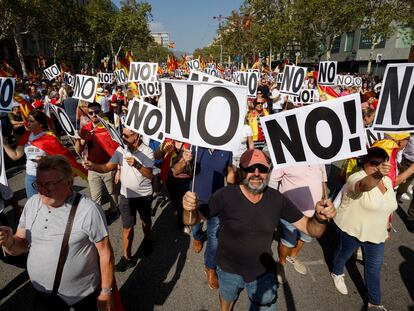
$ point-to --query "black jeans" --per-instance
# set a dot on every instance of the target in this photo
(405, 164)
(50, 302)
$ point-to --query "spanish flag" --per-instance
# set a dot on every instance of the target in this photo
(328, 91)
(25, 107)
(10, 71)
(50, 144)
(256, 65)
(133, 85)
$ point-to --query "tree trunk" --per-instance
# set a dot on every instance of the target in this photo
(19, 50)
(374, 42)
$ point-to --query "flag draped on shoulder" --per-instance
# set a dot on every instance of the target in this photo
(50, 144)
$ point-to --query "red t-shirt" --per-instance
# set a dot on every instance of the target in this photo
(99, 143)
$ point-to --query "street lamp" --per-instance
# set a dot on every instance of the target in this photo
(220, 19)
(293, 47)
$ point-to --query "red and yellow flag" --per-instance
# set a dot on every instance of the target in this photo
(133, 85)
(8, 69)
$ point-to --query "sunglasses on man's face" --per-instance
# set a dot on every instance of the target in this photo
(94, 112)
(252, 168)
(375, 162)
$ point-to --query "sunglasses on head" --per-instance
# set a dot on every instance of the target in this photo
(94, 112)
(252, 168)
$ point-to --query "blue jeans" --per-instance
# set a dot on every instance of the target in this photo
(373, 258)
(289, 235)
(213, 225)
(262, 292)
(28, 184)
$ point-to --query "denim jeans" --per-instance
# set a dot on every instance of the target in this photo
(28, 183)
(262, 292)
(373, 258)
(213, 225)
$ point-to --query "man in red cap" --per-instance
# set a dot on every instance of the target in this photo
(249, 213)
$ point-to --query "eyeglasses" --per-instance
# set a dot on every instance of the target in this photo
(94, 112)
(375, 162)
(252, 168)
(50, 185)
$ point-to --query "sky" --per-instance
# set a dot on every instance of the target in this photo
(189, 22)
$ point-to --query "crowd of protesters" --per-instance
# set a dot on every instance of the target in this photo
(241, 197)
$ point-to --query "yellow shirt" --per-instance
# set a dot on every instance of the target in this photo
(365, 215)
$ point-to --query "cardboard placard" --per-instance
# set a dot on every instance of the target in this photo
(121, 77)
(116, 137)
(7, 86)
(52, 72)
(209, 115)
(204, 77)
(249, 79)
(327, 73)
(149, 89)
(194, 64)
(142, 72)
(69, 79)
(293, 78)
(145, 119)
(105, 78)
(85, 88)
(373, 136)
(64, 121)
(316, 134)
(395, 112)
(306, 97)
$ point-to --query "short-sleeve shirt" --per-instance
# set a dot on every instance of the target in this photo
(246, 229)
(365, 215)
(45, 228)
(99, 143)
(33, 153)
(133, 183)
(211, 171)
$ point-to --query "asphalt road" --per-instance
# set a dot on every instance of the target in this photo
(172, 278)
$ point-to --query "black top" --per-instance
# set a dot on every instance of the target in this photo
(246, 229)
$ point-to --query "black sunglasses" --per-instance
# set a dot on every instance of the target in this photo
(252, 168)
(375, 162)
(94, 112)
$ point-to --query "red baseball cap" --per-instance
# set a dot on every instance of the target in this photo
(254, 156)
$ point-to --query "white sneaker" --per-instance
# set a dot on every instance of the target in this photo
(297, 264)
(410, 190)
(405, 197)
(280, 271)
(339, 282)
(372, 307)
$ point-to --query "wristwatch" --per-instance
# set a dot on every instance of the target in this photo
(106, 290)
(138, 165)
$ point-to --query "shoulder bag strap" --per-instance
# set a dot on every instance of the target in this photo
(64, 248)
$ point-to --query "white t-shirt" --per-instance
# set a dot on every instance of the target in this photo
(133, 183)
(32, 154)
(277, 104)
(104, 102)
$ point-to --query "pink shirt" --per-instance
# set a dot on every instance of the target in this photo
(302, 184)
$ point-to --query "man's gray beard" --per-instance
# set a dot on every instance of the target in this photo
(254, 190)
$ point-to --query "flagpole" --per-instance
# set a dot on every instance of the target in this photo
(194, 174)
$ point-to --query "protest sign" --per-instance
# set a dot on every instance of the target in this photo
(105, 78)
(149, 89)
(113, 132)
(211, 65)
(293, 78)
(209, 115)
(3, 177)
(64, 121)
(327, 73)
(395, 112)
(279, 78)
(85, 88)
(204, 77)
(69, 79)
(316, 134)
(358, 81)
(305, 97)
(52, 72)
(145, 119)
(344, 80)
(373, 136)
(6, 93)
(142, 72)
(251, 80)
(211, 71)
(193, 64)
(120, 77)
(235, 77)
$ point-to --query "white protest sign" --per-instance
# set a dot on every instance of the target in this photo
(279, 78)
(120, 77)
(194, 64)
(149, 89)
(52, 72)
(235, 77)
(6, 93)
(211, 71)
(116, 137)
(251, 80)
(85, 88)
(211, 65)
(209, 115)
(395, 112)
(293, 78)
(69, 79)
(105, 78)
(64, 121)
(358, 81)
(3, 177)
(316, 134)
(373, 136)
(327, 73)
(305, 97)
(142, 72)
(46, 108)
(204, 77)
(145, 119)
(344, 80)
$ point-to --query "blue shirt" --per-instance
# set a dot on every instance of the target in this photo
(211, 171)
